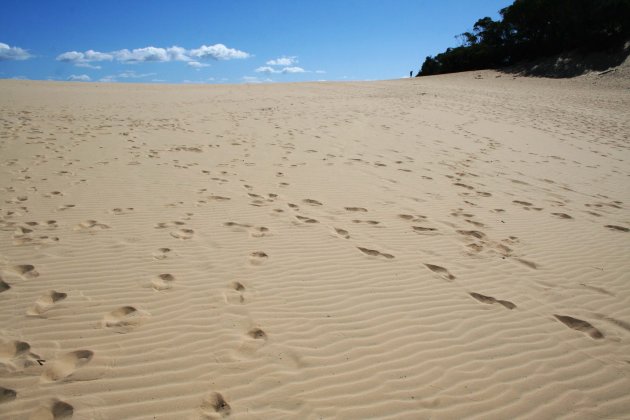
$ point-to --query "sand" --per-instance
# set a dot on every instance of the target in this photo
(446, 247)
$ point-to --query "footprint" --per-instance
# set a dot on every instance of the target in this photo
(162, 253)
(4, 286)
(91, 225)
(443, 272)
(369, 222)
(473, 233)
(124, 319)
(257, 334)
(522, 203)
(562, 215)
(259, 232)
(164, 225)
(491, 300)
(119, 210)
(46, 302)
(56, 410)
(258, 257)
(183, 233)
(235, 295)
(13, 349)
(312, 202)
(163, 282)
(237, 225)
(375, 253)
(343, 233)
(65, 207)
(214, 403)
(412, 218)
(67, 364)
(306, 219)
(7, 395)
(529, 264)
(218, 198)
(361, 209)
(618, 228)
(579, 325)
(26, 270)
(420, 229)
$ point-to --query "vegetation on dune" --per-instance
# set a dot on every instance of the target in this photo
(532, 29)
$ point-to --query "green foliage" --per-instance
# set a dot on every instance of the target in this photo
(531, 29)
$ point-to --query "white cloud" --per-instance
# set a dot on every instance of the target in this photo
(254, 79)
(151, 54)
(177, 53)
(82, 59)
(283, 61)
(320, 71)
(13, 53)
(266, 69)
(130, 74)
(108, 79)
(79, 78)
(197, 65)
(293, 70)
(285, 70)
(142, 54)
(217, 52)
(88, 66)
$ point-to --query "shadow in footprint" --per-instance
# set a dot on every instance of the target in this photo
(46, 302)
(7, 395)
(374, 253)
(490, 300)
(124, 319)
(4, 286)
(26, 270)
(443, 272)
(580, 325)
(67, 364)
(163, 282)
(258, 257)
(214, 403)
(257, 334)
(235, 294)
(56, 410)
(343, 233)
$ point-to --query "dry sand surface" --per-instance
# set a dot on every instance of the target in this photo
(446, 247)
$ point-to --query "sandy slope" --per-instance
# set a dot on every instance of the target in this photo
(446, 247)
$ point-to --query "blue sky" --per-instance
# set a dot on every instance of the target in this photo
(229, 41)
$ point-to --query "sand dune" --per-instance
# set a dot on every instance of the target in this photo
(446, 247)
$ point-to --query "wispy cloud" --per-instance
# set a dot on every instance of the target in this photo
(153, 54)
(79, 78)
(285, 70)
(197, 65)
(254, 79)
(266, 69)
(13, 53)
(217, 52)
(283, 61)
(129, 74)
(293, 70)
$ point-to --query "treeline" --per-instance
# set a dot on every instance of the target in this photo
(530, 29)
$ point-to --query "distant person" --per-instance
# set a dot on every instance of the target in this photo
(411, 73)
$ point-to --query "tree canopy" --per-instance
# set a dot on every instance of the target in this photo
(530, 29)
